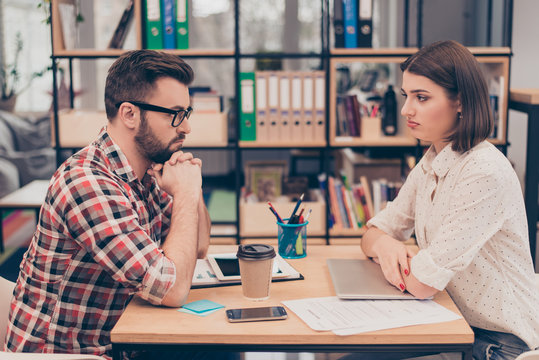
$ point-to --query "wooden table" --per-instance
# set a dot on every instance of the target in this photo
(527, 100)
(143, 326)
(30, 196)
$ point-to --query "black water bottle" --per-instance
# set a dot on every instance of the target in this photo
(389, 118)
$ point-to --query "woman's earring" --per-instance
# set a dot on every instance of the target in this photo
(459, 117)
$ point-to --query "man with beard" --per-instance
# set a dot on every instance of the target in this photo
(122, 217)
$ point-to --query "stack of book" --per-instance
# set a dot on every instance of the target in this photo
(207, 114)
(166, 24)
(352, 205)
(120, 33)
(348, 116)
(205, 100)
(282, 107)
(383, 191)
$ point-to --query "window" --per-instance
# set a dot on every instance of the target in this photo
(24, 17)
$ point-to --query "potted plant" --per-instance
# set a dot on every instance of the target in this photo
(11, 81)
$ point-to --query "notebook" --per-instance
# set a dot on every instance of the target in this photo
(362, 279)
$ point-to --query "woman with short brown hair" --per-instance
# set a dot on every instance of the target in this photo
(464, 202)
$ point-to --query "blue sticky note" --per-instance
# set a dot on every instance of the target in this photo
(202, 306)
(205, 313)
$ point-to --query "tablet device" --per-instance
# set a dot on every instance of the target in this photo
(227, 267)
(362, 279)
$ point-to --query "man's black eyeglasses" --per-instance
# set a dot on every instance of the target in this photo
(179, 115)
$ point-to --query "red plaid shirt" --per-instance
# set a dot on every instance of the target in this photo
(96, 245)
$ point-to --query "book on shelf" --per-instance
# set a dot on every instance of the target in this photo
(297, 105)
(262, 110)
(306, 121)
(247, 107)
(274, 121)
(289, 107)
(334, 204)
(343, 211)
(357, 213)
(285, 132)
(182, 25)
(352, 23)
(153, 34)
(355, 164)
(352, 116)
(319, 112)
(166, 24)
(353, 205)
(383, 192)
(169, 23)
(68, 21)
(207, 103)
(496, 87)
(368, 198)
(364, 24)
(363, 206)
(350, 208)
(120, 33)
(338, 23)
(348, 112)
(205, 100)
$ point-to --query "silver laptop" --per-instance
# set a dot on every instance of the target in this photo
(362, 279)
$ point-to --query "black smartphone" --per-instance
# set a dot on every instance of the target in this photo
(257, 314)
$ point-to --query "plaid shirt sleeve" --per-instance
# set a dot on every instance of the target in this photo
(101, 215)
(166, 210)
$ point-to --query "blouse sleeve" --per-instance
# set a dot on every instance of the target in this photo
(475, 214)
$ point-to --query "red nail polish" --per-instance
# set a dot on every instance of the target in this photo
(406, 272)
(402, 287)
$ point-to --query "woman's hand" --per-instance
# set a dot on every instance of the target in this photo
(392, 255)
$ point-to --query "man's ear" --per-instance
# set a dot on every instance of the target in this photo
(129, 115)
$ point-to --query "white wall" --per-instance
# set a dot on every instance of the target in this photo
(524, 74)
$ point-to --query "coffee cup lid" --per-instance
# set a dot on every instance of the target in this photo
(255, 252)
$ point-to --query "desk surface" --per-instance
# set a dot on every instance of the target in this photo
(527, 96)
(143, 323)
(31, 195)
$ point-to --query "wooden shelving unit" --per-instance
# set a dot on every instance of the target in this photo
(495, 61)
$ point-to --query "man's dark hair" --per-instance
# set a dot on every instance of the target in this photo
(133, 75)
(453, 67)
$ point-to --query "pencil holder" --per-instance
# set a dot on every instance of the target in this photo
(371, 127)
(292, 240)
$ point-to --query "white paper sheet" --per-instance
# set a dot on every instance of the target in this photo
(347, 317)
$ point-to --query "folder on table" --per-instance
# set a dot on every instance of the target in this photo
(182, 25)
(273, 105)
(169, 40)
(247, 107)
(319, 112)
(153, 25)
(350, 23)
(364, 24)
(284, 107)
(308, 107)
(296, 126)
(262, 113)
